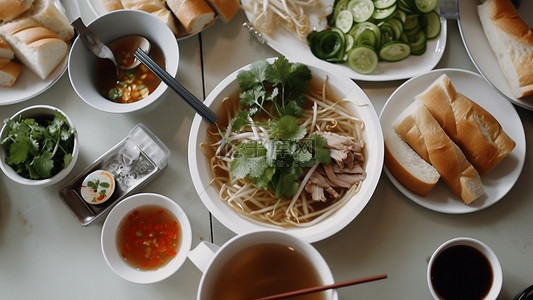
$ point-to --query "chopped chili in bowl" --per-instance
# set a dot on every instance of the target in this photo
(148, 237)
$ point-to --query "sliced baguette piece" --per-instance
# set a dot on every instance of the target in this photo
(6, 53)
(194, 15)
(443, 153)
(511, 40)
(478, 134)
(46, 13)
(37, 47)
(156, 8)
(10, 9)
(226, 9)
(9, 72)
(413, 172)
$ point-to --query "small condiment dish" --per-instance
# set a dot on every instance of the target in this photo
(464, 266)
(83, 65)
(38, 112)
(110, 238)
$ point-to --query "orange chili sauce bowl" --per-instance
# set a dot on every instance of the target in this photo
(111, 227)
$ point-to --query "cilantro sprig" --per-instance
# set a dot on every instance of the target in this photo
(276, 90)
(38, 148)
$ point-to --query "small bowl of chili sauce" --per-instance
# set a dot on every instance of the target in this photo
(146, 238)
(464, 268)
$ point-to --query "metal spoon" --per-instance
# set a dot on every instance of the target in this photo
(116, 49)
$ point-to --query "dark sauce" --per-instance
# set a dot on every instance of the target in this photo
(461, 272)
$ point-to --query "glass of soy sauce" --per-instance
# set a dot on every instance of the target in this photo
(464, 268)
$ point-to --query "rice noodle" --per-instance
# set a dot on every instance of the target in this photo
(326, 114)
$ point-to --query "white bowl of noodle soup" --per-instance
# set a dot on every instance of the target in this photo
(349, 206)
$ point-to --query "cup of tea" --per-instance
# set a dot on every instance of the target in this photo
(464, 268)
(259, 264)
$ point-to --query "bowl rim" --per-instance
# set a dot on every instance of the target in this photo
(159, 92)
(334, 222)
(39, 109)
(109, 230)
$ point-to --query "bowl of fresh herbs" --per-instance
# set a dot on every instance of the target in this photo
(38, 146)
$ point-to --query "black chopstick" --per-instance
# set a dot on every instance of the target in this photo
(194, 102)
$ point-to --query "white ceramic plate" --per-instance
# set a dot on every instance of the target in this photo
(288, 44)
(99, 9)
(28, 84)
(496, 182)
(341, 86)
(479, 50)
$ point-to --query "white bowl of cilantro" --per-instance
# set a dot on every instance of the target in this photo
(38, 146)
(263, 165)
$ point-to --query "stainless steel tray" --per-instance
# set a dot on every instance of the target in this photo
(133, 162)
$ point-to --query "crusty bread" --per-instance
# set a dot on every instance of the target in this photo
(156, 8)
(111, 5)
(478, 134)
(443, 153)
(9, 72)
(194, 15)
(6, 53)
(511, 41)
(10, 9)
(37, 47)
(413, 172)
(226, 9)
(46, 13)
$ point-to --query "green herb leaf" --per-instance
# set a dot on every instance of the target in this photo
(287, 128)
(322, 154)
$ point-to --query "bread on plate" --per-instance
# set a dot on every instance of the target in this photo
(46, 13)
(511, 40)
(194, 15)
(10, 9)
(478, 134)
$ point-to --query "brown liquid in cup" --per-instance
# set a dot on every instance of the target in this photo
(265, 269)
(461, 273)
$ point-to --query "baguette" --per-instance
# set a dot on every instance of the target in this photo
(37, 47)
(478, 134)
(511, 41)
(413, 172)
(194, 15)
(10, 9)
(46, 13)
(111, 5)
(6, 52)
(9, 72)
(443, 153)
(226, 9)
(156, 8)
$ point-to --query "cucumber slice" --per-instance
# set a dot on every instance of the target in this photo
(344, 20)
(426, 6)
(381, 14)
(383, 3)
(433, 26)
(418, 43)
(349, 42)
(394, 51)
(339, 6)
(361, 10)
(363, 59)
(367, 38)
(360, 27)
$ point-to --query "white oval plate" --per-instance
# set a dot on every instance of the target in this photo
(28, 84)
(498, 181)
(374, 152)
(479, 50)
(288, 44)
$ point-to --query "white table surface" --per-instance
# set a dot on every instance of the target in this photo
(46, 254)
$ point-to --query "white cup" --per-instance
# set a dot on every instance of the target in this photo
(494, 285)
(211, 259)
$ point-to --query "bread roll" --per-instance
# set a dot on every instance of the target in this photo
(511, 41)
(9, 72)
(156, 8)
(46, 13)
(6, 53)
(478, 134)
(10, 9)
(408, 167)
(443, 153)
(226, 9)
(37, 47)
(194, 15)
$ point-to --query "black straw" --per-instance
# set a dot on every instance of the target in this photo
(194, 102)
